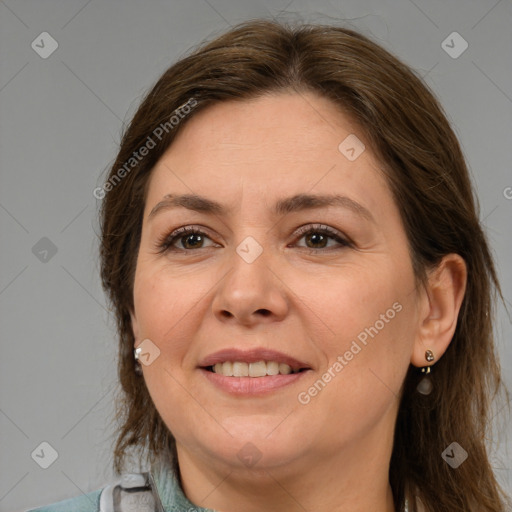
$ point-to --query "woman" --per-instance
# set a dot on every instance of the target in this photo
(303, 291)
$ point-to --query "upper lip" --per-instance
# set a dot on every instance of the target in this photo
(251, 356)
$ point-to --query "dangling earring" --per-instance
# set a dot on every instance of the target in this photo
(425, 386)
(138, 367)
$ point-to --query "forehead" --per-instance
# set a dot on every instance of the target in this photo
(265, 145)
(281, 121)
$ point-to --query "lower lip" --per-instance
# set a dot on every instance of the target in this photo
(250, 386)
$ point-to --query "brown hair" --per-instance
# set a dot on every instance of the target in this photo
(427, 173)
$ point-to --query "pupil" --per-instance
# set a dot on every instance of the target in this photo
(315, 235)
(192, 236)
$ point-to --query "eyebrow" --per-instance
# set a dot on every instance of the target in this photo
(296, 203)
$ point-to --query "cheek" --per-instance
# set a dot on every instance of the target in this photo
(171, 306)
(167, 307)
(358, 302)
(163, 300)
(368, 320)
(366, 362)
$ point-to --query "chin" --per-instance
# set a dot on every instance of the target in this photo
(254, 447)
(254, 456)
(247, 442)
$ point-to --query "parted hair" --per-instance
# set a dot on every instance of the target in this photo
(426, 171)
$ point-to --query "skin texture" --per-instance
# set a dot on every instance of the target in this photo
(333, 452)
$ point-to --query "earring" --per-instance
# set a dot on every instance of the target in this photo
(425, 386)
(429, 356)
(138, 367)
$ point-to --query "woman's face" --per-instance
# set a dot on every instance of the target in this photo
(264, 282)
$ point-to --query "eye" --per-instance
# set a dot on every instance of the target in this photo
(320, 234)
(192, 238)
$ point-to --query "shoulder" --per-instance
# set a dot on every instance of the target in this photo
(84, 503)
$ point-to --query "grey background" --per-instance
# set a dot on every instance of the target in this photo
(60, 121)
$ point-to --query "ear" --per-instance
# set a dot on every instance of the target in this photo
(439, 309)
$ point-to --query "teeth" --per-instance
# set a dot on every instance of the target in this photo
(240, 369)
(227, 368)
(258, 369)
(272, 368)
(284, 369)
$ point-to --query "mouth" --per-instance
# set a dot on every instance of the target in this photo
(252, 372)
(253, 369)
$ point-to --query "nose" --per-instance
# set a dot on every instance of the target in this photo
(251, 291)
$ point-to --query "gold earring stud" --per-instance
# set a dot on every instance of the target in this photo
(429, 356)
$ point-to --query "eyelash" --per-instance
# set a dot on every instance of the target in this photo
(164, 244)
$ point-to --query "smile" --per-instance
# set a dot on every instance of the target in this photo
(254, 369)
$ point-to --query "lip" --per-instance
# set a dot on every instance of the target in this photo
(251, 386)
(252, 356)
